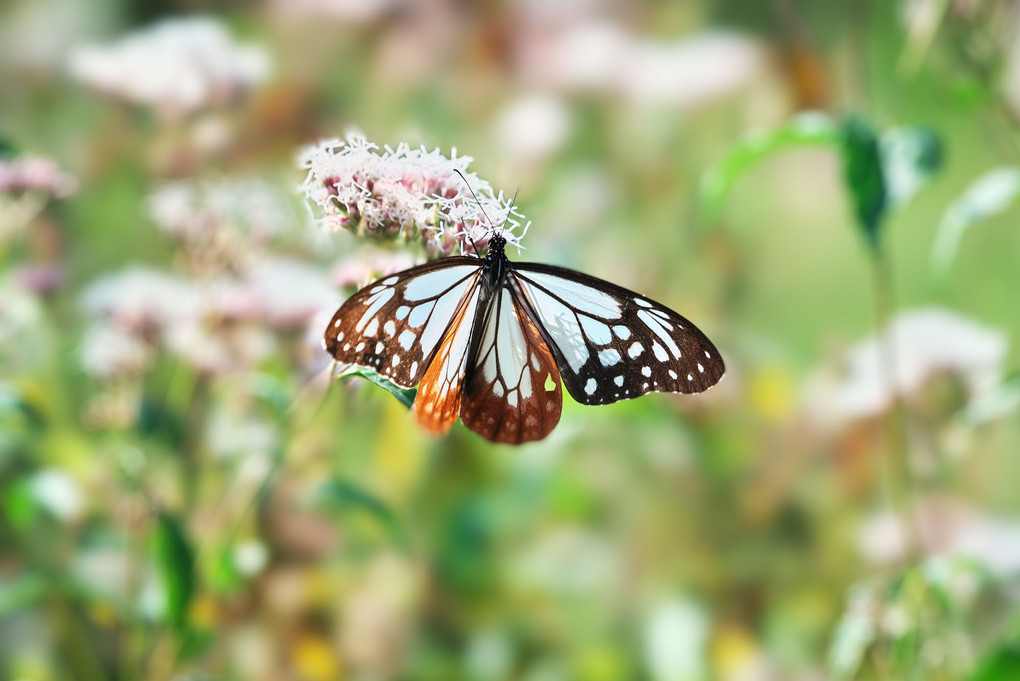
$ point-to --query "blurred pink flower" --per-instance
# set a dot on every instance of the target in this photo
(404, 193)
(947, 528)
(177, 67)
(533, 127)
(221, 225)
(369, 264)
(289, 292)
(27, 173)
(925, 342)
(142, 299)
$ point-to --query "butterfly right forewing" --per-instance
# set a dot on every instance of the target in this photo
(395, 325)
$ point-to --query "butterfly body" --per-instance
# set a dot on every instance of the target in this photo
(492, 340)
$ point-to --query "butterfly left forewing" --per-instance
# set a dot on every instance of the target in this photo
(512, 392)
(395, 325)
(613, 344)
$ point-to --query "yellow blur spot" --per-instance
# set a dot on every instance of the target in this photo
(315, 660)
(400, 454)
(772, 393)
(202, 612)
(734, 653)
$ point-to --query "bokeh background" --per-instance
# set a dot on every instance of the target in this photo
(825, 188)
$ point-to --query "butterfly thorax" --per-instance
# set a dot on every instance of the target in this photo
(496, 264)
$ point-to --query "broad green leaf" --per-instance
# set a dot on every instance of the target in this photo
(1002, 664)
(864, 177)
(343, 497)
(406, 396)
(176, 562)
(990, 194)
(808, 129)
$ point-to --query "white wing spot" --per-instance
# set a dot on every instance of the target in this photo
(635, 350)
(622, 332)
(618, 380)
(339, 336)
(347, 346)
(390, 281)
(597, 332)
(646, 371)
(609, 357)
(379, 348)
(672, 374)
(414, 369)
(689, 377)
(701, 369)
(590, 386)
(660, 352)
(337, 324)
(405, 339)
(644, 387)
(534, 361)
(390, 327)
(372, 327)
(402, 311)
(396, 360)
(707, 355)
(361, 346)
(642, 303)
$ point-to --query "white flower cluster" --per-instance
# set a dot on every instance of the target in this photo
(220, 224)
(216, 326)
(177, 67)
(405, 193)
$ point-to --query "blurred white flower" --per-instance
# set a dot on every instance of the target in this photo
(142, 299)
(108, 351)
(290, 292)
(213, 348)
(58, 493)
(356, 12)
(533, 127)
(251, 557)
(177, 67)
(675, 641)
(925, 342)
(229, 434)
(688, 72)
(596, 56)
(403, 193)
(946, 528)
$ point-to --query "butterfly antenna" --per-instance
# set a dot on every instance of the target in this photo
(484, 214)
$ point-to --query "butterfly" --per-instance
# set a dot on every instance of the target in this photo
(491, 340)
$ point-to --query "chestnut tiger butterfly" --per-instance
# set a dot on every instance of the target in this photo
(491, 339)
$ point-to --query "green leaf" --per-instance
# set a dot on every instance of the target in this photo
(864, 177)
(7, 149)
(990, 194)
(1003, 664)
(344, 497)
(405, 395)
(808, 129)
(910, 157)
(176, 562)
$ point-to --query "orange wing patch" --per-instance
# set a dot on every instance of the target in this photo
(439, 394)
(513, 392)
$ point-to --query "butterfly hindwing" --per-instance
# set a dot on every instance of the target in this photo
(439, 394)
(610, 343)
(395, 325)
(512, 392)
